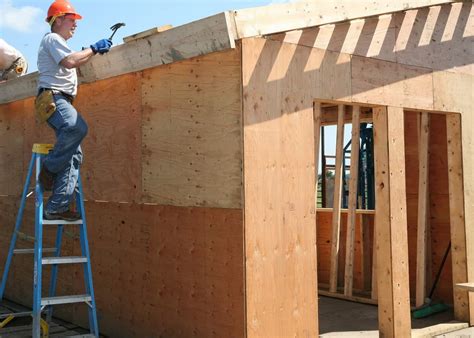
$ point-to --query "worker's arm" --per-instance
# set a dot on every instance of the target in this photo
(77, 59)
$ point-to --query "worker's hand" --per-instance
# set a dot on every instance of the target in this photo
(101, 46)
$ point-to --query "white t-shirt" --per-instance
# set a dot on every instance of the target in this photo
(53, 49)
(8, 55)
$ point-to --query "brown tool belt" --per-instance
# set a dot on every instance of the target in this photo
(68, 97)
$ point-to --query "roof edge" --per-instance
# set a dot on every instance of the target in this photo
(278, 18)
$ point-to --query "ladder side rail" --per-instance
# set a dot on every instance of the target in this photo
(37, 269)
(19, 218)
(94, 326)
(54, 270)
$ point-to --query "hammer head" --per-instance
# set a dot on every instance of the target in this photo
(117, 26)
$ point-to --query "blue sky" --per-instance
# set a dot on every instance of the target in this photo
(22, 21)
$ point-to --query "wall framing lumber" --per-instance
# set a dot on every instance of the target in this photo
(392, 239)
(457, 217)
(336, 216)
(423, 201)
(453, 92)
(351, 217)
(302, 14)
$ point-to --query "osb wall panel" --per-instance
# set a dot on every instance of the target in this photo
(163, 271)
(158, 271)
(280, 82)
(393, 84)
(438, 220)
(112, 148)
(11, 148)
(324, 233)
(438, 37)
(192, 152)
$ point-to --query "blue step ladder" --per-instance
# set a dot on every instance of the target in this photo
(45, 304)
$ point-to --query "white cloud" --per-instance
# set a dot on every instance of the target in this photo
(21, 19)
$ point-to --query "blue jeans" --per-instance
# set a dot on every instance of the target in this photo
(66, 157)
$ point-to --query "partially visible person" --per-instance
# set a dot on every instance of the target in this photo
(57, 88)
(12, 63)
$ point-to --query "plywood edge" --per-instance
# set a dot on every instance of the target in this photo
(208, 35)
(277, 18)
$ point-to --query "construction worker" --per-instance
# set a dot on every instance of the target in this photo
(57, 88)
(12, 63)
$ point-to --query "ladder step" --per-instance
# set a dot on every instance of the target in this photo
(59, 221)
(16, 314)
(65, 300)
(64, 260)
(32, 251)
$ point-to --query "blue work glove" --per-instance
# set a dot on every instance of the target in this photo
(101, 46)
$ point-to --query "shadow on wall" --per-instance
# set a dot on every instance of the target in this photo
(381, 68)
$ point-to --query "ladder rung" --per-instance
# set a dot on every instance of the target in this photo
(16, 314)
(32, 251)
(57, 222)
(65, 300)
(64, 260)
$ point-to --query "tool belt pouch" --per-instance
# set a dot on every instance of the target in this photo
(44, 106)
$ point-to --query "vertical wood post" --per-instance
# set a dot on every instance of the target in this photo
(351, 216)
(336, 216)
(456, 215)
(423, 200)
(391, 221)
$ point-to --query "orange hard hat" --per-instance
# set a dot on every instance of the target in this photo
(60, 8)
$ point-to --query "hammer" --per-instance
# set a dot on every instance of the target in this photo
(115, 27)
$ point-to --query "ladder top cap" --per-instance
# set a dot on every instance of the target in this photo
(42, 148)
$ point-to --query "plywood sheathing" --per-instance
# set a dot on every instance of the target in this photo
(192, 132)
(157, 270)
(438, 37)
(280, 82)
(11, 147)
(186, 150)
(302, 14)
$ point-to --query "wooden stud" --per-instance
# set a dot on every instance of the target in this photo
(391, 220)
(374, 293)
(351, 217)
(456, 215)
(366, 253)
(336, 217)
(423, 201)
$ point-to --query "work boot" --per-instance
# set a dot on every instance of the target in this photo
(67, 215)
(46, 178)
